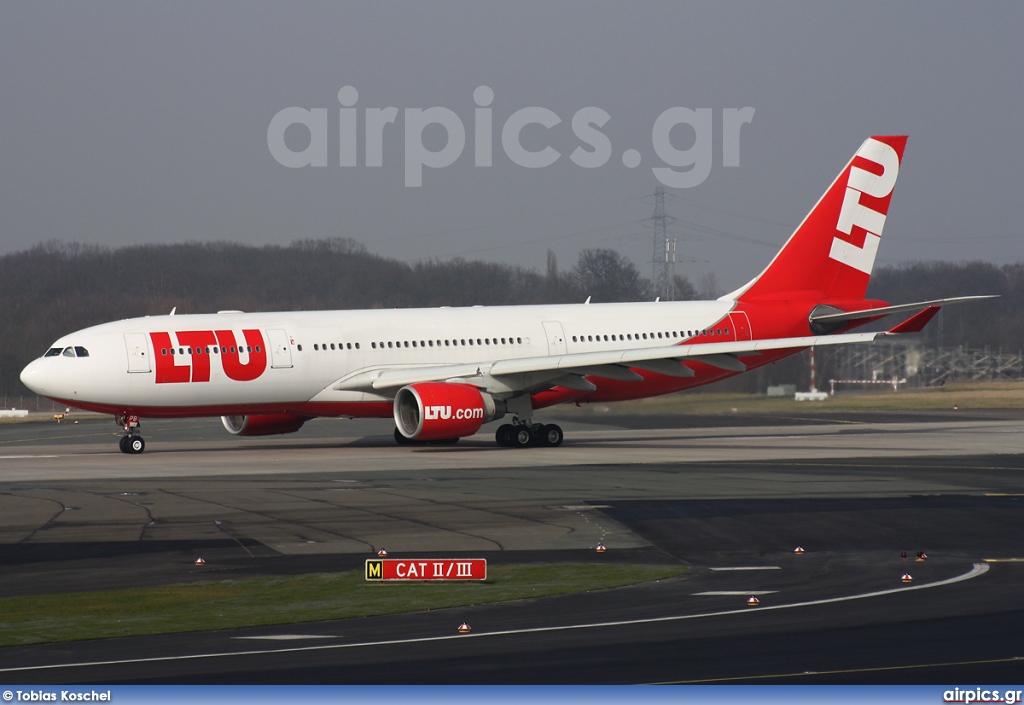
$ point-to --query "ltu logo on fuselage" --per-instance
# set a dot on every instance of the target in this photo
(196, 348)
(854, 213)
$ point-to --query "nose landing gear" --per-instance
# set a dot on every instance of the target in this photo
(131, 442)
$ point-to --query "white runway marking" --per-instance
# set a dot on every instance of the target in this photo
(735, 592)
(752, 567)
(978, 569)
(286, 637)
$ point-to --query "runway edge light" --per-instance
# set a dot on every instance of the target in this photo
(601, 548)
(464, 628)
(799, 550)
(200, 561)
(907, 578)
(382, 553)
(752, 601)
(921, 556)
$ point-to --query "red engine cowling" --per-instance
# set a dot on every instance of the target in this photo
(437, 410)
(263, 424)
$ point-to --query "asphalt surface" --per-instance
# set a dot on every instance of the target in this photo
(853, 490)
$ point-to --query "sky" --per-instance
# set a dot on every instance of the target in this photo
(138, 122)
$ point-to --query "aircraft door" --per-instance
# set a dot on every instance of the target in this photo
(556, 337)
(280, 349)
(138, 352)
(740, 324)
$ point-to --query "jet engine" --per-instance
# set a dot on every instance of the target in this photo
(433, 411)
(263, 424)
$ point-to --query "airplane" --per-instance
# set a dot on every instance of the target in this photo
(442, 373)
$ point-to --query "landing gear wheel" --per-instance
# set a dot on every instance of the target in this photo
(551, 436)
(521, 437)
(132, 445)
(503, 435)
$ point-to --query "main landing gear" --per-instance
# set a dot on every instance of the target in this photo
(131, 442)
(521, 435)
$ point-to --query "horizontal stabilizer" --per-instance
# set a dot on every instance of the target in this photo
(829, 317)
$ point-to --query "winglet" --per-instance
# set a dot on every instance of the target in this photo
(917, 322)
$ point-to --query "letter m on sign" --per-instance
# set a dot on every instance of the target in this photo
(374, 570)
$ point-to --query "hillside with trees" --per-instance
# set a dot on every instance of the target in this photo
(56, 287)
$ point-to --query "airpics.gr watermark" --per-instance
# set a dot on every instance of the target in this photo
(681, 168)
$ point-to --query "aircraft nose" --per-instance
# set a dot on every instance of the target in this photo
(33, 377)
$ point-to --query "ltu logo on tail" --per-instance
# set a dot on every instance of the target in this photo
(854, 213)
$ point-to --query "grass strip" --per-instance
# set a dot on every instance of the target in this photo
(251, 602)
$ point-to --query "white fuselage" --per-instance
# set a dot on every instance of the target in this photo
(303, 356)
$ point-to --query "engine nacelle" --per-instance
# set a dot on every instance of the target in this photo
(437, 410)
(263, 424)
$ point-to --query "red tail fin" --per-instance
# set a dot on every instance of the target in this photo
(832, 252)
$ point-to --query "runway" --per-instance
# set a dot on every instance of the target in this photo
(853, 490)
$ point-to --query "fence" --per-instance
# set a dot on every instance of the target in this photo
(925, 367)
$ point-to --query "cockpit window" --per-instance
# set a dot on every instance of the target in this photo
(70, 351)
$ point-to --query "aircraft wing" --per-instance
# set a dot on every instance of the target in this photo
(528, 373)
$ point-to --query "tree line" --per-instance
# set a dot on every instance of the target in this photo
(56, 287)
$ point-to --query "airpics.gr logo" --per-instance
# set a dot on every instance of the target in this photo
(683, 168)
(854, 213)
